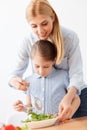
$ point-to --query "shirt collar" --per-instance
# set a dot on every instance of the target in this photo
(48, 76)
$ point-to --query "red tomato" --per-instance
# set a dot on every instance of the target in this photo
(8, 127)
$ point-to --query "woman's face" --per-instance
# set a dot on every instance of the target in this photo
(42, 26)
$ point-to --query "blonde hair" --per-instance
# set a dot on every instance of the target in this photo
(43, 7)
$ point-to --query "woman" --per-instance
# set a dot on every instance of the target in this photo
(44, 24)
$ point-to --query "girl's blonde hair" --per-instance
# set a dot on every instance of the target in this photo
(43, 7)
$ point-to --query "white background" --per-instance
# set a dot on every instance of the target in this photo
(72, 14)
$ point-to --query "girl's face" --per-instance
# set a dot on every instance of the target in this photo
(42, 26)
(41, 66)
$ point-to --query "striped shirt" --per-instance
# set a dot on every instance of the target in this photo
(50, 90)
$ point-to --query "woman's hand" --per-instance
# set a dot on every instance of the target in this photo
(19, 106)
(65, 109)
(68, 108)
(69, 104)
(19, 83)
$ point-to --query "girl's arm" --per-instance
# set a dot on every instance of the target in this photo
(19, 106)
(28, 105)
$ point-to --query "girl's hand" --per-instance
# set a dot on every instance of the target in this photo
(19, 83)
(18, 106)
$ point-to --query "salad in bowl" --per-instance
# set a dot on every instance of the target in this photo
(40, 120)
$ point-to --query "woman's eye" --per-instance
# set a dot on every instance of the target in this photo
(37, 66)
(44, 24)
(33, 26)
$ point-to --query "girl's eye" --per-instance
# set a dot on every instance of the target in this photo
(46, 66)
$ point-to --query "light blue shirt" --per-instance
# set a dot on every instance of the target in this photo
(50, 90)
(72, 61)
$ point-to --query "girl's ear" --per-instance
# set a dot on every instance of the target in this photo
(54, 61)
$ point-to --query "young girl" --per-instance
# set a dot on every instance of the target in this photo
(44, 24)
(47, 83)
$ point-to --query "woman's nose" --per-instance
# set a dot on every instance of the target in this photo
(40, 30)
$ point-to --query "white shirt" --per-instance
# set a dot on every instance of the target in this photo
(72, 61)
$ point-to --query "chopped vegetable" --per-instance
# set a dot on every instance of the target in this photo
(17, 128)
(32, 116)
(25, 127)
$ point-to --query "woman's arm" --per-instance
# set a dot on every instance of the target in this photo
(75, 105)
(19, 83)
(73, 58)
(15, 78)
(75, 64)
(68, 107)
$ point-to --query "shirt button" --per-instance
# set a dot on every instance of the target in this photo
(43, 89)
(42, 110)
(42, 99)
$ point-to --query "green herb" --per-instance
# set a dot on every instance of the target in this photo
(32, 116)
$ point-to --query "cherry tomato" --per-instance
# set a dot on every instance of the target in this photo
(17, 128)
(8, 127)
